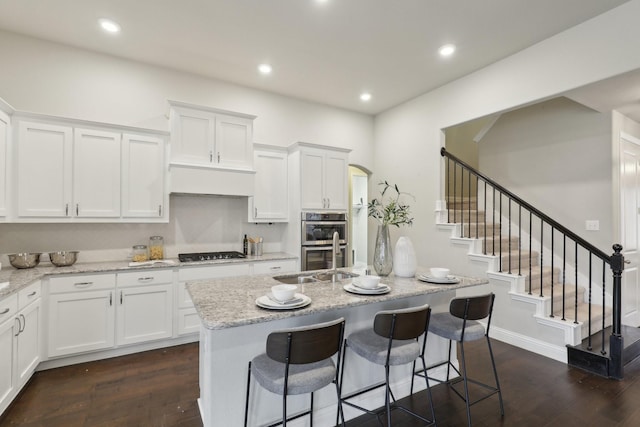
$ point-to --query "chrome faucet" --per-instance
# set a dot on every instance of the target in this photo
(335, 251)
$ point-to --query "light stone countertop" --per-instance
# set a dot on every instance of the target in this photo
(20, 278)
(230, 302)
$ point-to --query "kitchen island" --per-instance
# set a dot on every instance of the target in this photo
(234, 330)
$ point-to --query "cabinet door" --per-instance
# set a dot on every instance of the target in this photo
(96, 174)
(311, 180)
(336, 182)
(234, 142)
(145, 313)
(28, 341)
(81, 321)
(7, 356)
(192, 136)
(143, 177)
(270, 202)
(44, 170)
(4, 146)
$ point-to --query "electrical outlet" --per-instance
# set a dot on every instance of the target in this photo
(592, 225)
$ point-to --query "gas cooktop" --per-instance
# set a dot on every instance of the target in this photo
(209, 256)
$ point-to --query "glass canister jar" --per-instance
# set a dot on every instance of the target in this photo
(156, 247)
(140, 253)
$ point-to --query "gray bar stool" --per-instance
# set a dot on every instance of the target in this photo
(461, 324)
(298, 361)
(394, 340)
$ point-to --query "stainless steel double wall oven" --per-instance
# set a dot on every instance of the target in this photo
(317, 239)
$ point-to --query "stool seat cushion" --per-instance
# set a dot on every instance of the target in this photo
(373, 347)
(304, 378)
(450, 327)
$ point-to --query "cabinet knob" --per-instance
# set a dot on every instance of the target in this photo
(32, 294)
(159, 210)
(145, 279)
(5, 311)
(66, 209)
(77, 209)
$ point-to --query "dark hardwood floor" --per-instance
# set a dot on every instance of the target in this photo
(160, 387)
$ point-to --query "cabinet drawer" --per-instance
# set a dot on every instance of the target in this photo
(81, 282)
(29, 294)
(145, 277)
(212, 272)
(273, 267)
(8, 307)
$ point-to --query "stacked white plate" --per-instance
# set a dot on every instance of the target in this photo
(354, 288)
(269, 302)
(449, 280)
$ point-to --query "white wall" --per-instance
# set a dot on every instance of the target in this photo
(49, 78)
(408, 137)
(556, 155)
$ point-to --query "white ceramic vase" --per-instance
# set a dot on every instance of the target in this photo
(404, 258)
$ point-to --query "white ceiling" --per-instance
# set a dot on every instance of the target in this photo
(325, 52)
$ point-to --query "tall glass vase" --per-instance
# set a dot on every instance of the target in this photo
(382, 257)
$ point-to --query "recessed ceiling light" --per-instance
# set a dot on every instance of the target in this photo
(366, 96)
(447, 50)
(265, 68)
(109, 26)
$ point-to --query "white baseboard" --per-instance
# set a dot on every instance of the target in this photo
(533, 345)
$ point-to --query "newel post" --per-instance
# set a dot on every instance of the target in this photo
(616, 341)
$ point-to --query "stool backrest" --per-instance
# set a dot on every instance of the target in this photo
(472, 308)
(403, 324)
(306, 344)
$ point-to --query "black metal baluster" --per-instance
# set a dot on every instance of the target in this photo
(493, 223)
(448, 190)
(541, 253)
(462, 201)
(500, 234)
(509, 235)
(520, 241)
(530, 249)
(575, 320)
(485, 250)
(603, 351)
(564, 271)
(552, 267)
(469, 203)
(589, 298)
(477, 208)
(455, 190)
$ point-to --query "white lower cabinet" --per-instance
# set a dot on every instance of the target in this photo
(19, 341)
(8, 329)
(81, 314)
(145, 306)
(188, 319)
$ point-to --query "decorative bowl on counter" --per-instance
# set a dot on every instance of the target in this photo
(63, 258)
(25, 259)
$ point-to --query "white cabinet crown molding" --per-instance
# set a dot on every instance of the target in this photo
(189, 106)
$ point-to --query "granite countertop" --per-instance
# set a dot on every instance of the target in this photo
(230, 302)
(20, 278)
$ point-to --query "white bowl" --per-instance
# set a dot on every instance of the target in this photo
(368, 282)
(284, 292)
(439, 273)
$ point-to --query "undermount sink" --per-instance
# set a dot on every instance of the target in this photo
(317, 277)
(297, 279)
(331, 276)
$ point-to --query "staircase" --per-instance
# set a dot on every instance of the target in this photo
(558, 290)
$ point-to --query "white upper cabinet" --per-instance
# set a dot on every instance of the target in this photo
(143, 166)
(270, 202)
(67, 172)
(5, 129)
(323, 178)
(211, 137)
(211, 151)
(96, 173)
(44, 170)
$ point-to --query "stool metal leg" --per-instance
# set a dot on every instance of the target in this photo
(466, 383)
(495, 374)
(246, 404)
(311, 412)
